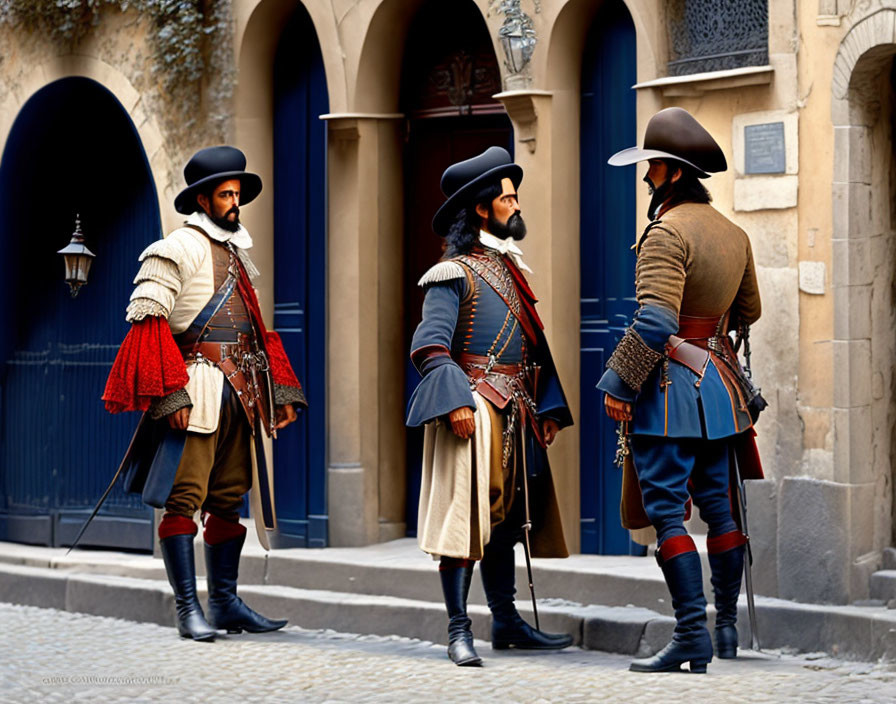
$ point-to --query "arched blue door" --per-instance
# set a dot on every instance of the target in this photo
(300, 262)
(73, 149)
(608, 263)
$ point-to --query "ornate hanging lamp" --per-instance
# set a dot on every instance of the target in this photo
(77, 259)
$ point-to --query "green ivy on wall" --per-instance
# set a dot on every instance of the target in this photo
(190, 43)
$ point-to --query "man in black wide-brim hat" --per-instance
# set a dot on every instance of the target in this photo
(210, 379)
(675, 381)
(491, 402)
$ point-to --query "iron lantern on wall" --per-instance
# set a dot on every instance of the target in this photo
(517, 36)
(77, 259)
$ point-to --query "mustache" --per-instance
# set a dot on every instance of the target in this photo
(235, 210)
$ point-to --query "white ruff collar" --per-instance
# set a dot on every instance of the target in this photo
(505, 246)
(240, 239)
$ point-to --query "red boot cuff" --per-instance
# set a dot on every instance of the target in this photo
(448, 563)
(175, 524)
(675, 546)
(725, 542)
(218, 530)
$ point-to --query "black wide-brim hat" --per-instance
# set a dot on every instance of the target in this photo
(463, 180)
(213, 165)
(673, 133)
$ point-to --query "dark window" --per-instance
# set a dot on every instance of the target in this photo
(716, 35)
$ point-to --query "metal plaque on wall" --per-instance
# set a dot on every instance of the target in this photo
(764, 149)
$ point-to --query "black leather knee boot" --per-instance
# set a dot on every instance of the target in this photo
(727, 570)
(177, 552)
(456, 588)
(509, 630)
(226, 609)
(690, 640)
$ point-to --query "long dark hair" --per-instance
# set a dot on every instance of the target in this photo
(464, 231)
(688, 188)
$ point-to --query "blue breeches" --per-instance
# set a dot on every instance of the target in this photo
(664, 466)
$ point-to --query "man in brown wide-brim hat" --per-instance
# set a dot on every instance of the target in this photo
(675, 381)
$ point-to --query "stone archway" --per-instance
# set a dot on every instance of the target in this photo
(863, 254)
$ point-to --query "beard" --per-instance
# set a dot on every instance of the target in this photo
(515, 227)
(658, 196)
(224, 223)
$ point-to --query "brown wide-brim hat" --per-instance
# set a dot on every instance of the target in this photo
(674, 134)
(213, 165)
(463, 180)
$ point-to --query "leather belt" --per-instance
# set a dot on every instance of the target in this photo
(244, 369)
(465, 359)
(694, 328)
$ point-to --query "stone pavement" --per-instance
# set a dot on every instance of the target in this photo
(56, 656)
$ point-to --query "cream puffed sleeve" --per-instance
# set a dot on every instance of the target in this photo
(164, 267)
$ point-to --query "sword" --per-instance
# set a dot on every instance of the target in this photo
(111, 484)
(527, 526)
(741, 495)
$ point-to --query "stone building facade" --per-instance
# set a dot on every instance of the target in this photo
(384, 80)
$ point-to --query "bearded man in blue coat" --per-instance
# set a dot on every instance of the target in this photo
(491, 402)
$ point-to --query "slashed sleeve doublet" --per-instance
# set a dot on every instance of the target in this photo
(164, 267)
(444, 386)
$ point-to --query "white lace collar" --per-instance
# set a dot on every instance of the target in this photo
(240, 239)
(506, 246)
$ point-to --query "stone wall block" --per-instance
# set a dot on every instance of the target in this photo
(861, 451)
(861, 527)
(852, 265)
(839, 212)
(861, 220)
(852, 312)
(762, 520)
(346, 520)
(813, 541)
(765, 192)
(773, 234)
(852, 383)
(852, 154)
(842, 418)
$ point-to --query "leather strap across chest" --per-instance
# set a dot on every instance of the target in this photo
(493, 271)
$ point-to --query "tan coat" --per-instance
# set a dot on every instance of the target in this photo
(697, 262)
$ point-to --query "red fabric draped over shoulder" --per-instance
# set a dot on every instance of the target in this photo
(281, 369)
(148, 365)
(527, 299)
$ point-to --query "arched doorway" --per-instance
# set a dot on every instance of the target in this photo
(72, 150)
(300, 246)
(607, 228)
(448, 80)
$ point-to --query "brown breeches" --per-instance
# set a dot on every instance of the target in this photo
(215, 470)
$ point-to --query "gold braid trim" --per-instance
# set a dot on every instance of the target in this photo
(633, 360)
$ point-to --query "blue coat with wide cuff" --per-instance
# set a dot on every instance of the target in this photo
(444, 386)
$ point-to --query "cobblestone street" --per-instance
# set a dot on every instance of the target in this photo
(54, 656)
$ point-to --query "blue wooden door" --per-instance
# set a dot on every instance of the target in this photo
(607, 233)
(58, 446)
(300, 262)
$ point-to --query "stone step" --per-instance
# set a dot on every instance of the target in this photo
(889, 559)
(883, 585)
(850, 632)
(629, 630)
(397, 569)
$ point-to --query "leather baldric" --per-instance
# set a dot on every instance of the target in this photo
(222, 334)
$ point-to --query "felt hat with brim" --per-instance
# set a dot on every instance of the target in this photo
(213, 165)
(674, 134)
(462, 181)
